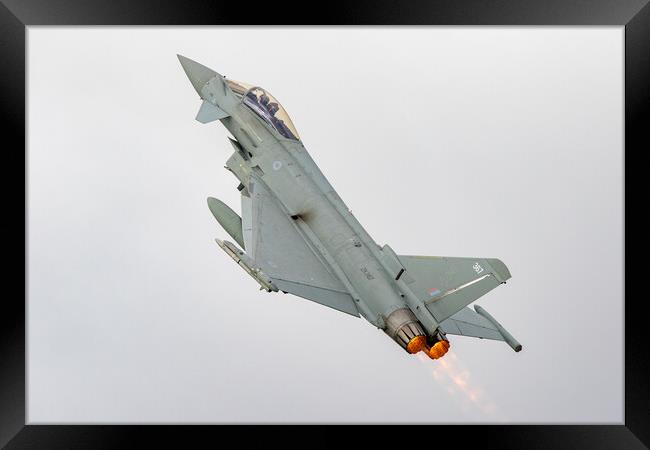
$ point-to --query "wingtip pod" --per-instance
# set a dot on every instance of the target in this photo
(510, 340)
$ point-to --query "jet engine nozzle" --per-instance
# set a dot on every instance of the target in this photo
(438, 350)
(417, 344)
(404, 328)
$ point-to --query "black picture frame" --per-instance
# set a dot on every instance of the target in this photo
(16, 15)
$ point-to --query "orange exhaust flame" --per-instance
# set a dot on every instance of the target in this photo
(455, 378)
(416, 344)
(438, 350)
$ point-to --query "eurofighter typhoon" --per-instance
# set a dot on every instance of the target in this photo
(296, 235)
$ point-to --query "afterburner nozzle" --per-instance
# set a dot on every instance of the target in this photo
(416, 344)
(404, 328)
(438, 350)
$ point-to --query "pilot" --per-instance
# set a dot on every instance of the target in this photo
(272, 107)
(251, 97)
(264, 100)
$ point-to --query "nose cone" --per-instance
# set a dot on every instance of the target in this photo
(198, 74)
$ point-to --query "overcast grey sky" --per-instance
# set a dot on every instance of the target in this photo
(487, 142)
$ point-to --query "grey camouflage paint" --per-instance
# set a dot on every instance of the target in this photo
(297, 236)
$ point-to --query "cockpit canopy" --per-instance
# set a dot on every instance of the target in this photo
(266, 107)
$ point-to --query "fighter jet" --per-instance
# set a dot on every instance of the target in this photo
(295, 235)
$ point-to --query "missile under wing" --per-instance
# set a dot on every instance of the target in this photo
(296, 235)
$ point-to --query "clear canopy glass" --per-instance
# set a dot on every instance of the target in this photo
(266, 107)
(238, 87)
